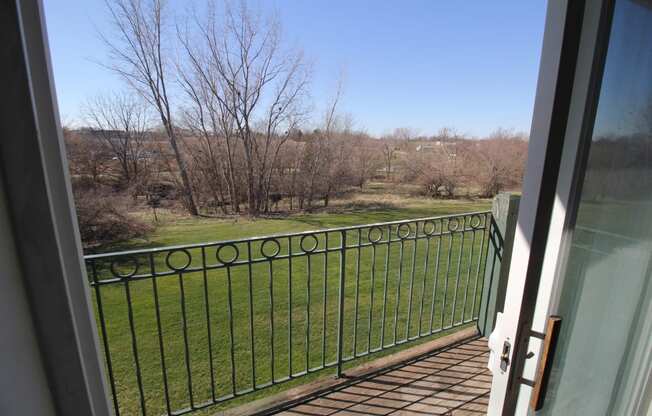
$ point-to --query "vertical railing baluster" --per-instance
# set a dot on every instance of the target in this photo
(308, 299)
(186, 350)
(425, 277)
(208, 322)
(105, 339)
(448, 268)
(134, 347)
(477, 272)
(357, 297)
(340, 328)
(436, 282)
(398, 289)
(389, 242)
(290, 371)
(371, 294)
(325, 297)
(459, 266)
(481, 255)
(485, 253)
(251, 317)
(271, 320)
(468, 275)
(157, 309)
(412, 273)
(231, 334)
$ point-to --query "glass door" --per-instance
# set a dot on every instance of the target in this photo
(603, 292)
(583, 246)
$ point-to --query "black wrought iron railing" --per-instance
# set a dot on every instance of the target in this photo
(187, 327)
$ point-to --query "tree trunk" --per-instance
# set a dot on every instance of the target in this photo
(183, 171)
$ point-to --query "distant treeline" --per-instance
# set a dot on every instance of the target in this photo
(118, 171)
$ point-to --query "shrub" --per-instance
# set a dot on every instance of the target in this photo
(438, 185)
(102, 219)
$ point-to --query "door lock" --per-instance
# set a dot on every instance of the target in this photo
(504, 356)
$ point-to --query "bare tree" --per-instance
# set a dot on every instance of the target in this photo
(366, 159)
(216, 154)
(254, 89)
(331, 155)
(207, 117)
(498, 161)
(138, 55)
(292, 174)
(447, 134)
(405, 133)
(326, 162)
(121, 123)
(88, 159)
(389, 154)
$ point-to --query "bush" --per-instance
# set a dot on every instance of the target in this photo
(102, 219)
(438, 185)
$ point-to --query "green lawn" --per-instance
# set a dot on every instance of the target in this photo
(404, 274)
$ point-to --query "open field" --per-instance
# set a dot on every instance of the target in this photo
(284, 322)
(376, 202)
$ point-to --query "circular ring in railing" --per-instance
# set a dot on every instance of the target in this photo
(309, 249)
(184, 266)
(453, 224)
(270, 244)
(429, 231)
(130, 260)
(403, 231)
(476, 221)
(227, 261)
(378, 237)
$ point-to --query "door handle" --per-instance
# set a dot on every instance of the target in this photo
(553, 325)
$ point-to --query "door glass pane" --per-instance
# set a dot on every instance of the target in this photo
(606, 286)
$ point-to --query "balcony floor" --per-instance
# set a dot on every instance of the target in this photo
(451, 382)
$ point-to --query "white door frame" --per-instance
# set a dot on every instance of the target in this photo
(45, 274)
(570, 72)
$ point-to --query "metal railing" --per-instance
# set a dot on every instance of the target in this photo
(191, 326)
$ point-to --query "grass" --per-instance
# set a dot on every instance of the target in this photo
(404, 273)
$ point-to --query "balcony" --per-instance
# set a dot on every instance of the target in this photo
(221, 324)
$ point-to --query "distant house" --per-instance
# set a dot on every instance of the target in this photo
(438, 146)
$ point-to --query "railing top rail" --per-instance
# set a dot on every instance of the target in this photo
(280, 235)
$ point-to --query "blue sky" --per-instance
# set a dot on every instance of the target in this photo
(425, 64)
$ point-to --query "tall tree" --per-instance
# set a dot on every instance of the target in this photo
(255, 88)
(138, 55)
